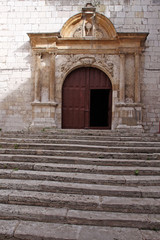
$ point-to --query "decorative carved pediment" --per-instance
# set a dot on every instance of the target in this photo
(89, 24)
(80, 33)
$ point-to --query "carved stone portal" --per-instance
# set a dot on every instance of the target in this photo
(87, 39)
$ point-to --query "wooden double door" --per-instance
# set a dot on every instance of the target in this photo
(87, 99)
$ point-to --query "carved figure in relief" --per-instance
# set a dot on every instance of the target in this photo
(87, 26)
(88, 29)
(98, 34)
(78, 33)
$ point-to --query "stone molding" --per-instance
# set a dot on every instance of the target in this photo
(53, 104)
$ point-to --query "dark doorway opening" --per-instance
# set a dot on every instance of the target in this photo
(99, 100)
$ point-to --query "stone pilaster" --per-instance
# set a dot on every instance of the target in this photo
(37, 78)
(137, 79)
(129, 114)
(43, 113)
(52, 78)
(122, 78)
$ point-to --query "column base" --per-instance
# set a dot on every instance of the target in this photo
(129, 117)
(43, 115)
(130, 129)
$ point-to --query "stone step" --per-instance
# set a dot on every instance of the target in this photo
(101, 161)
(88, 154)
(83, 188)
(79, 180)
(26, 230)
(80, 168)
(85, 136)
(79, 132)
(81, 177)
(81, 202)
(5, 141)
(79, 217)
(77, 202)
(114, 219)
(74, 147)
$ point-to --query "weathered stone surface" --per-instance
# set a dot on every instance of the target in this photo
(150, 192)
(48, 186)
(107, 233)
(98, 140)
(4, 196)
(7, 228)
(150, 235)
(79, 194)
(32, 213)
(112, 219)
(142, 180)
(53, 199)
(47, 231)
(141, 205)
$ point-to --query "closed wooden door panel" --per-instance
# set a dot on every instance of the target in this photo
(76, 99)
(73, 96)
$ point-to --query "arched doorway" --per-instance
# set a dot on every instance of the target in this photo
(87, 99)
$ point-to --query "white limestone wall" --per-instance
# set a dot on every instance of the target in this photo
(18, 17)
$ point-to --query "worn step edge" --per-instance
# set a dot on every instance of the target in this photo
(81, 202)
(69, 216)
(80, 168)
(77, 188)
(62, 176)
(16, 230)
(81, 177)
(80, 154)
(113, 219)
(74, 147)
(5, 141)
(101, 161)
(80, 132)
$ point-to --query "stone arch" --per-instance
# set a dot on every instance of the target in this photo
(108, 74)
(102, 23)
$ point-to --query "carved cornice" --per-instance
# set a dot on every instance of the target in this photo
(88, 33)
(123, 104)
(124, 43)
(43, 104)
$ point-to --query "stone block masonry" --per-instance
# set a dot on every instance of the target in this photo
(20, 17)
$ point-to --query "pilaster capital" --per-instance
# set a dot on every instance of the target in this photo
(37, 54)
(122, 55)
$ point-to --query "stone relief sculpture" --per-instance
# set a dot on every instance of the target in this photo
(89, 60)
(78, 33)
(88, 26)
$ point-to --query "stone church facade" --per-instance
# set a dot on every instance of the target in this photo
(80, 64)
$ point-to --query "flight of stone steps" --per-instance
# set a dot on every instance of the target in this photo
(79, 185)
